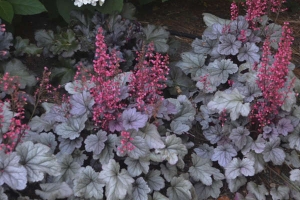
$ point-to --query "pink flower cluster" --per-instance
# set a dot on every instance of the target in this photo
(148, 78)
(10, 85)
(46, 92)
(272, 79)
(107, 91)
(2, 30)
(145, 88)
(126, 145)
(258, 8)
(13, 136)
(234, 11)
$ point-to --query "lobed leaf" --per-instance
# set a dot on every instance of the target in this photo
(179, 189)
(37, 161)
(201, 170)
(223, 154)
(72, 128)
(52, 191)
(140, 189)
(151, 136)
(205, 191)
(118, 184)
(259, 191)
(136, 167)
(12, 173)
(232, 102)
(173, 149)
(154, 180)
(96, 143)
(88, 185)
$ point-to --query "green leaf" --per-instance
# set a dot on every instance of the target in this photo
(27, 7)
(65, 44)
(37, 160)
(44, 38)
(6, 11)
(111, 6)
(16, 68)
(128, 11)
(65, 74)
(179, 189)
(159, 36)
(64, 8)
(22, 46)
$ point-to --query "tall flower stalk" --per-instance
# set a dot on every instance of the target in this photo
(272, 78)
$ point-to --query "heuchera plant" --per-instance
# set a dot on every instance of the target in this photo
(114, 135)
(75, 44)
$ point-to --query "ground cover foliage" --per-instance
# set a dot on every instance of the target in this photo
(124, 127)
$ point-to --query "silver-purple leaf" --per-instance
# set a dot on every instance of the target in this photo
(235, 184)
(229, 45)
(238, 167)
(219, 71)
(223, 154)
(133, 119)
(95, 143)
(81, 103)
(67, 146)
(239, 136)
(260, 191)
(282, 192)
(273, 152)
(12, 173)
(249, 53)
(204, 151)
(284, 126)
(201, 170)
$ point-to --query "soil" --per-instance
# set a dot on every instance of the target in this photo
(186, 16)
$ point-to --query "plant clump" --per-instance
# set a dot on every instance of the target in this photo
(128, 129)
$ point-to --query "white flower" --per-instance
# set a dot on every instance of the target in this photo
(101, 2)
(79, 3)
